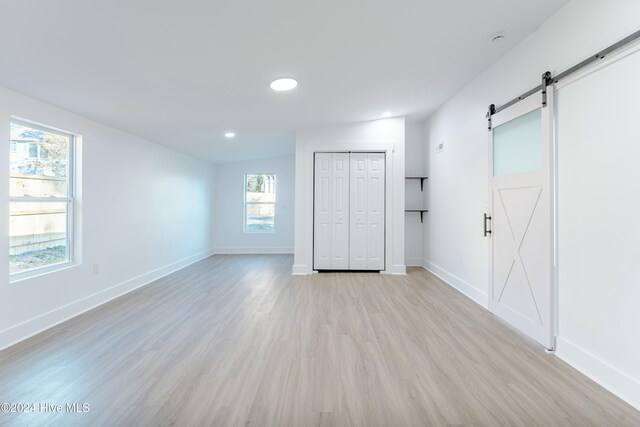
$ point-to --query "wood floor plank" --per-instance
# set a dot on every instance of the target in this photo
(236, 340)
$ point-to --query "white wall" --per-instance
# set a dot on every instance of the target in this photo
(381, 135)
(229, 201)
(599, 273)
(599, 231)
(414, 198)
(144, 210)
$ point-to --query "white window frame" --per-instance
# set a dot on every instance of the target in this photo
(70, 200)
(247, 203)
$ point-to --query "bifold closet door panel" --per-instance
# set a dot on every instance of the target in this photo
(367, 202)
(375, 210)
(358, 212)
(340, 215)
(331, 211)
(322, 212)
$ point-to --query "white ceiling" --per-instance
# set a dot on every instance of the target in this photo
(181, 73)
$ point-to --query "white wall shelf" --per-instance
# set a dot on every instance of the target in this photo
(421, 178)
(421, 211)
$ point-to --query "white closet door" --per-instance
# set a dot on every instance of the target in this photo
(322, 212)
(340, 214)
(358, 214)
(331, 211)
(375, 211)
(367, 211)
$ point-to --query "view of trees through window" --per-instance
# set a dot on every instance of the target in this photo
(260, 199)
(40, 198)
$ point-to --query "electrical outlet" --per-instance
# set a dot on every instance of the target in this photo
(95, 268)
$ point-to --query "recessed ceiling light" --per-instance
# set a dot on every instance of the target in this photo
(230, 134)
(386, 114)
(497, 37)
(283, 85)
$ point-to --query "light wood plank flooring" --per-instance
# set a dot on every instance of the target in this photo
(236, 340)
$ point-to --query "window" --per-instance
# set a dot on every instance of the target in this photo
(259, 203)
(34, 150)
(41, 198)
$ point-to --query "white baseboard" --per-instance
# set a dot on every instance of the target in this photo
(301, 270)
(413, 262)
(396, 269)
(252, 251)
(34, 326)
(617, 382)
(457, 283)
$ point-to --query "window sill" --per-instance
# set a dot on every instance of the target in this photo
(32, 274)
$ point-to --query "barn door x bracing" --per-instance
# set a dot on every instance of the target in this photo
(522, 244)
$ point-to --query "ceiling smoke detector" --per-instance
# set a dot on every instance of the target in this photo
(497, 37)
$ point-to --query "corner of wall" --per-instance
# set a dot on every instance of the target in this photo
(413, 262)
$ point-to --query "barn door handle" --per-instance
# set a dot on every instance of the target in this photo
(486, 230)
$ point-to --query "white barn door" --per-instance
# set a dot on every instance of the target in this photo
(521, 248)
(331, 211)
(367, 211)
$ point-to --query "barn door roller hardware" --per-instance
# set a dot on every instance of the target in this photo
(548, 79)
(546, 82)
(491, 112)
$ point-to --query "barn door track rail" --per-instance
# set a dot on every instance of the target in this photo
(548, 79)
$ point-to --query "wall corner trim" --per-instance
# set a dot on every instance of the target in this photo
(617, 382)
(455, 282)
(29, 328)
